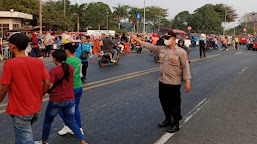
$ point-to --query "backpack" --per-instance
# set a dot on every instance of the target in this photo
(84, 54)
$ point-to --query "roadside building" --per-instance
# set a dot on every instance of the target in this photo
(10, 20)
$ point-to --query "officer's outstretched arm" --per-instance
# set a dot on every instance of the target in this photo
(146, 45)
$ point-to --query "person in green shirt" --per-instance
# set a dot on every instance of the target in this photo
(70, 49)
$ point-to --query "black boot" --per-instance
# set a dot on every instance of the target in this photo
(166, 122)
(173, 128)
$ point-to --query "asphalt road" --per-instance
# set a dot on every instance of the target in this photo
(120, 103)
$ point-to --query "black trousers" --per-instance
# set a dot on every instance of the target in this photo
(48, 50)
(236, 45)
(84, 69)
(35, 52)
(171, 101)
(202, 48)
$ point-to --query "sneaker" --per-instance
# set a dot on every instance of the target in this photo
(84, 80)
(40, 142)
(65, 130)
(82, 131)
(173, 128)
(113, 61)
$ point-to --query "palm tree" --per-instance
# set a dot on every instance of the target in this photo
(119, 13)
(79, 12)
(133, 17)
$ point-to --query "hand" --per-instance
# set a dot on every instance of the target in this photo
(90, 61)
(135, 39)
(187, 86)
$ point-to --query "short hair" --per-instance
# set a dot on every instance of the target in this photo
(20, 40)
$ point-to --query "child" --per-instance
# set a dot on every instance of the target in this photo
(61, 96)
(70, 49)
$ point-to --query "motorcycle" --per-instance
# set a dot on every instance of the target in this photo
(125, 51)
(250, 45)
(104, 58)
(156, 57)
(209, 45)
(137, 47)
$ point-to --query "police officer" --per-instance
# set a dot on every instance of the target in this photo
(172, 61)
(202, 42)
(236, 41)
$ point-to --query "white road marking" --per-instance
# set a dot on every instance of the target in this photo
(188, 116)
(238, 53)
(243, 70)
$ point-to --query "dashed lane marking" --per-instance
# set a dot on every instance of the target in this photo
(243, 70)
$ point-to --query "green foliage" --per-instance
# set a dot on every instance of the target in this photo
(182, 20)
(119, 13)
(55, 20)
(207, 19)
(155, 15)
(96, 15)
(133, 16)
(93, 15)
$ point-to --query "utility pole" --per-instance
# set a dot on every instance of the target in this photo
(159, 23)
(107, 21)
(40, 18)
(64, 5)
(254, 32)
(144, 19)
(225, 20)
(137, 25)
(246, 22)
(234, 28)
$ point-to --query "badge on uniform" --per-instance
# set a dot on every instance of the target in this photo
(186, 56)
(174, 58)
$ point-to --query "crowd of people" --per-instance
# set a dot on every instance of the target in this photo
(63, 83)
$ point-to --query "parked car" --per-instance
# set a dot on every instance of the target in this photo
(243, 38)
(179, 35)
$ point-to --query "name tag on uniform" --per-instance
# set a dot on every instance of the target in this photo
(174, 58)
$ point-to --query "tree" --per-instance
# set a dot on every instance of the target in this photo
(133, 16)
(119, 13)
(181, 20)
(97, 14)
(53, 19)
(154, 15)
(79, 11)
(230, 12)
(206, 19)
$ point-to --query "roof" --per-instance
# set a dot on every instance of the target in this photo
(8, 14)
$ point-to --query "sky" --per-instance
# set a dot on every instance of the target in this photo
(176, 6)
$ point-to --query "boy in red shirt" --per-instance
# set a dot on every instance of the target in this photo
(22, 78)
